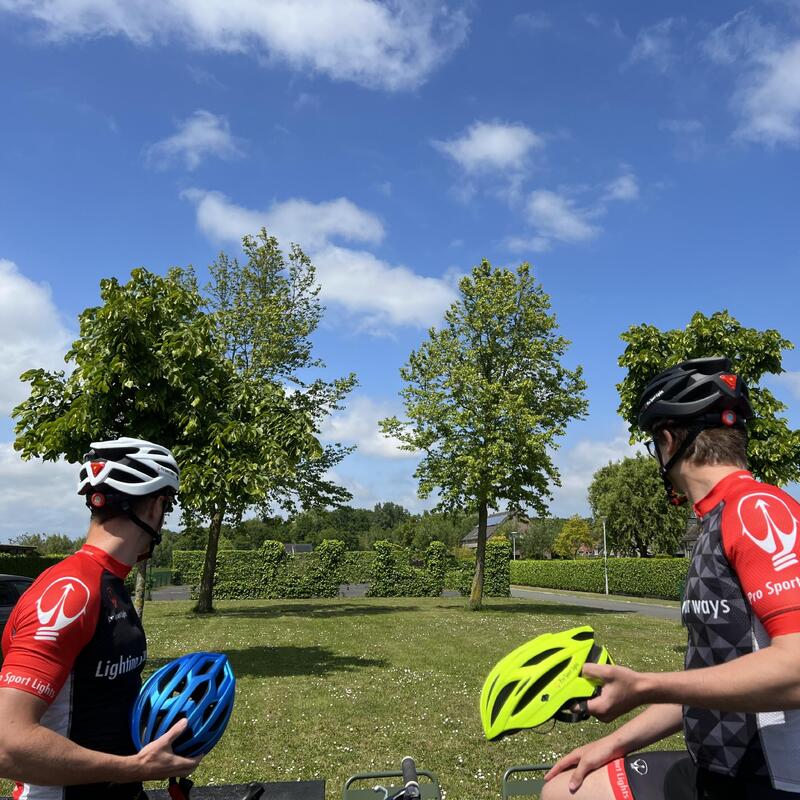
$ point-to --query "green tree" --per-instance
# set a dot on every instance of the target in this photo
(145, 364)
(773, 448)
(389, 515)
(575, 533)
(150, 362)
(49, 544)
(537, 541)
(265, 310)
(486, 398)
(629, 495)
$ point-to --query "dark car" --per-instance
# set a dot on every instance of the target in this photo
(11, 589)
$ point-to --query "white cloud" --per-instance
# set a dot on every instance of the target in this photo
(791, 380)
(385, 45)
(533, 21)
(578, 464)
(492, 147)
(556, 216)
(769, 99)
(26, 483)
(654, 45)
(311, 225)
(32, 333)
(624, 188)
(381, 293)
(202, 135)
(357, 281)
(358, 425)
(742, 36)
(767, 65)
(686, 126)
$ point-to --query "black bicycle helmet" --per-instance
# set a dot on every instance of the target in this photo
(703, 389)
(697, 394)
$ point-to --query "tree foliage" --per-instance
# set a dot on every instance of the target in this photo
(537, 541)
(773, 449)
(208, 378)
(49, 544)
(575, 533)
(629, 495)
(486, 398)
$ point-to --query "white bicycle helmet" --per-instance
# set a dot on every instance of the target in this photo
(126, 466)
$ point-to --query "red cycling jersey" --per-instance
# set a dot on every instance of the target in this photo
(742, 590)
(75, 641)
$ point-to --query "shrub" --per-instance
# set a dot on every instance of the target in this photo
(393, 575)
(27, 566)
(640, 577)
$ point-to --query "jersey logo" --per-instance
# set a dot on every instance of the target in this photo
(59, 605)
(640, 766)
(769, 522)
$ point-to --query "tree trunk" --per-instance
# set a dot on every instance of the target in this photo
(205, 598)
(138, 594)
(476, 595)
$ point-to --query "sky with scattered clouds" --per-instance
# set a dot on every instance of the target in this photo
(644, 160)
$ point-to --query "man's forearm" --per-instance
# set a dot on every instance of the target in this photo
(768, 680)
(35, 754)
(653, 724)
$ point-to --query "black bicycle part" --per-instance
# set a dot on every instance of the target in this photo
(410, 779)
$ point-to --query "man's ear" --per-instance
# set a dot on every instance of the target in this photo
(668, 443)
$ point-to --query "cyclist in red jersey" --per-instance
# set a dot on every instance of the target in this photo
(74, 647)
(738, 698)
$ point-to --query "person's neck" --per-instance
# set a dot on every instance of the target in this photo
(696, 482)
(119, 537)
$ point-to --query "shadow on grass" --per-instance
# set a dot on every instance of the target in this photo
(275, 662)
(322, 611)
(552, 609)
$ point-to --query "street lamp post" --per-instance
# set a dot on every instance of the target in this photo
(605, 555)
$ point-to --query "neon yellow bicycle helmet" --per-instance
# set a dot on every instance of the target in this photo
(541, 680)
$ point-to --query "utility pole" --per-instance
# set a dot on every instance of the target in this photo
(605, 555)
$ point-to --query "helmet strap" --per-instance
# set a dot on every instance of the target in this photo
(155, 536)
(673, 496)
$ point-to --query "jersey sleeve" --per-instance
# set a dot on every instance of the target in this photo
(761, 537)
(52, 622)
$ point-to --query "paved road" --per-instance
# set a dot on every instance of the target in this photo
(630, 606)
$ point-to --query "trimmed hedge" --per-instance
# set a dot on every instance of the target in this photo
(270, 573)
(639, 577)
(27, 566)
(496, 577)
(357, 566)
(266, 573)
(394, 576)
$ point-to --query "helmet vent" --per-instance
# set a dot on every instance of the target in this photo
(595, 653)
(539, 657)
(582, 636)
(502, 696)
(536, 688)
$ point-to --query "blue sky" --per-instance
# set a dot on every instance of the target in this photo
(646, 165)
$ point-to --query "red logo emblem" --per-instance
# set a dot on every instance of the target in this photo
(59, 605)
(730, 380)
(97, 467)
(770, 523)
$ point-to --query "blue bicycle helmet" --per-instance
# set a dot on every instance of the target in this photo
(198, 686)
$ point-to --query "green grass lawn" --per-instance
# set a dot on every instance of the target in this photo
(327, 688)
